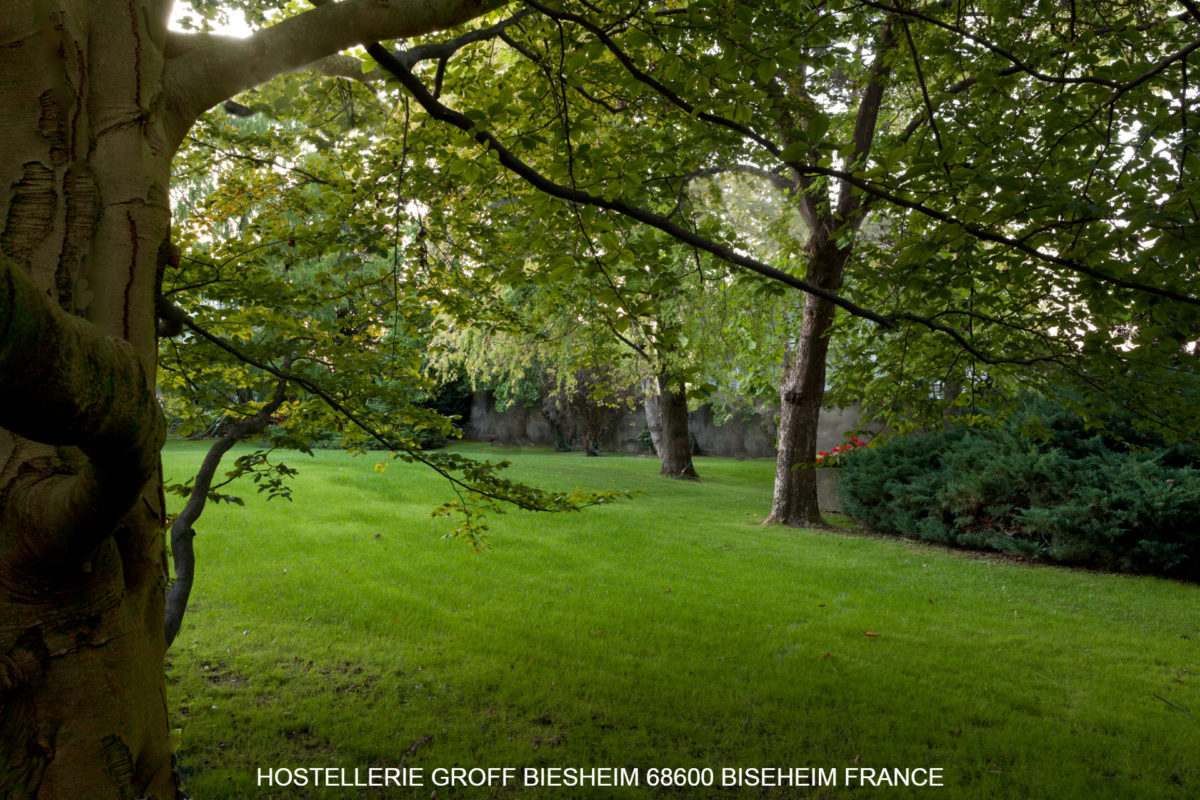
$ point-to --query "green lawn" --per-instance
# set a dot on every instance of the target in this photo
(671, 630)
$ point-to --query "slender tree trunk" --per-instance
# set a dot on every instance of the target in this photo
(652, 405)
(803, 386)
(676, 437)
(800, 395)
(182, 532)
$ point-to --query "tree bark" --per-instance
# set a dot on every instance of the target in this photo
(82, 559)
(801, 392)
(676, 437)
(652, 405)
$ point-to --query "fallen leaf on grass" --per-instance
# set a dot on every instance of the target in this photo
(869, 633)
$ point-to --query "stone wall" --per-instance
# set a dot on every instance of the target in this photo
(745, 436)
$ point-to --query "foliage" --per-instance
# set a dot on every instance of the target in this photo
(993, 262)
(1042, 215)
(526, 345)
(583, 414)
(289, 260)
(741, 327)
(269, 478)
(1042, 484)
(1036, 171)
(452, 399)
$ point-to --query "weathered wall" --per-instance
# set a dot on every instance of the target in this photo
(526, 426)
(743, 437)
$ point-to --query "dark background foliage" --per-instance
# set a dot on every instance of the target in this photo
(1041, 484)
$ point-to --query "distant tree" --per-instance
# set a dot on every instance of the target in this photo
(578, 415)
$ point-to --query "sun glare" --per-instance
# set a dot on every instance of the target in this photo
(185, 19)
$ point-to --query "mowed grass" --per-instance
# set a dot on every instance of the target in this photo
(671, 630)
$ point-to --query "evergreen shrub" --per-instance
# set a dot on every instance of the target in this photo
(1043, 485)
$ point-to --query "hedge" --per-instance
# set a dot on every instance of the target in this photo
(1040, 485)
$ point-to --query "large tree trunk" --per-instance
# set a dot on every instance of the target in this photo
(83, 710)
(676, 450)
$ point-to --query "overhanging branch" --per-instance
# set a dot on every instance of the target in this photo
(848, 177)
(444, 50)
(511, 162)
(199, 77)
(495, 490)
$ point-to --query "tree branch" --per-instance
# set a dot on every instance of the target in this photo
(507, 159)
(443, 50)
(866, 119)
(632, 68)
(804, 169)
(334, 66)
(488, 487)
(204, 74)
(781, 182)
(1157, 68)
(1007, 56)
(912, 47)
(1192, 8)
(182, 532)
(510, 161)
